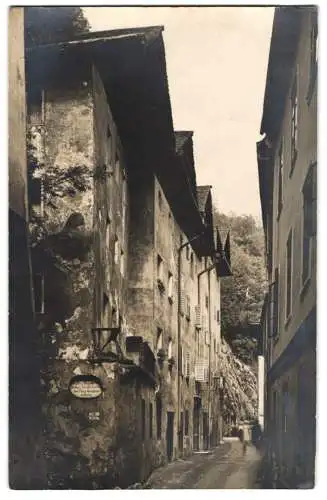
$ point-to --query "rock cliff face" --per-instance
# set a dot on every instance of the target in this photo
(239, 388)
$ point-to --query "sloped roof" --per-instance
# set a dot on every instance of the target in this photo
(283, 46)
(147, 33)
(203, 193)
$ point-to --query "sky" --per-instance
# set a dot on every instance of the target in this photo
(217, 61)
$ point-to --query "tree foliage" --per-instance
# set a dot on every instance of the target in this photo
(52, 24)
(242, 294)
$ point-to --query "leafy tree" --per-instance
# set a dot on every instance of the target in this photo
(243, 293)
(51, 24)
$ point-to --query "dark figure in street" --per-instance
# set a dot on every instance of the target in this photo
(244, 436)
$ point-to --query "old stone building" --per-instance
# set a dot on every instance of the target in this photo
(287, 160)
(126, 263)
(25, 469)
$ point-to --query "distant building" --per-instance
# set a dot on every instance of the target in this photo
(287, 160)
(127, 277)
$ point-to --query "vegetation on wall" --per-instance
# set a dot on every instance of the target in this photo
(51, 24)
(242, 294)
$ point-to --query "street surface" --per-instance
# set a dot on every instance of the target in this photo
(222, 468)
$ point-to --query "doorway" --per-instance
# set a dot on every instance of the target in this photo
(170, 435)
(196, 428)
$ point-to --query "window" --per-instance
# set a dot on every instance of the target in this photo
(35, 191)
(192, 266)
(143, 418)
(289, 272)
(150, 420)
(294, 123)
(309, 222)
(207, 301)
(170, 287)
(218, 316)
(280, 178)
(159, 415)
(186, 422)
(159, 200)
(38, 285)
(159, 339)
(188, 252)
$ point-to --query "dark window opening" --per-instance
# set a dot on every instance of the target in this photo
(105, 310)
(159, 416)
(35, 191)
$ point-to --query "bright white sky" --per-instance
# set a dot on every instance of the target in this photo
(216, 63)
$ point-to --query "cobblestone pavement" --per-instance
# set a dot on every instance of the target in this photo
(223, 468)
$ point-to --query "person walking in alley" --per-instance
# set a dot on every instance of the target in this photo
(244, 436)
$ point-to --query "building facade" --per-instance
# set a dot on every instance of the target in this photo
(25, 469)
(126, 263)
(287, 159)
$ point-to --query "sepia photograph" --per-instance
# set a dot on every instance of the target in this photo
(162, 220)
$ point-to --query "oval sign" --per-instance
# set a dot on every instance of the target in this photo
(85, 387)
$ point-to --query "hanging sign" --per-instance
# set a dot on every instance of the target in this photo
(86, 387)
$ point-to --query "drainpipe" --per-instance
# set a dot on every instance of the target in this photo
(179, 323)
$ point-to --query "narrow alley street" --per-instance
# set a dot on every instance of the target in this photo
(223, 468)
